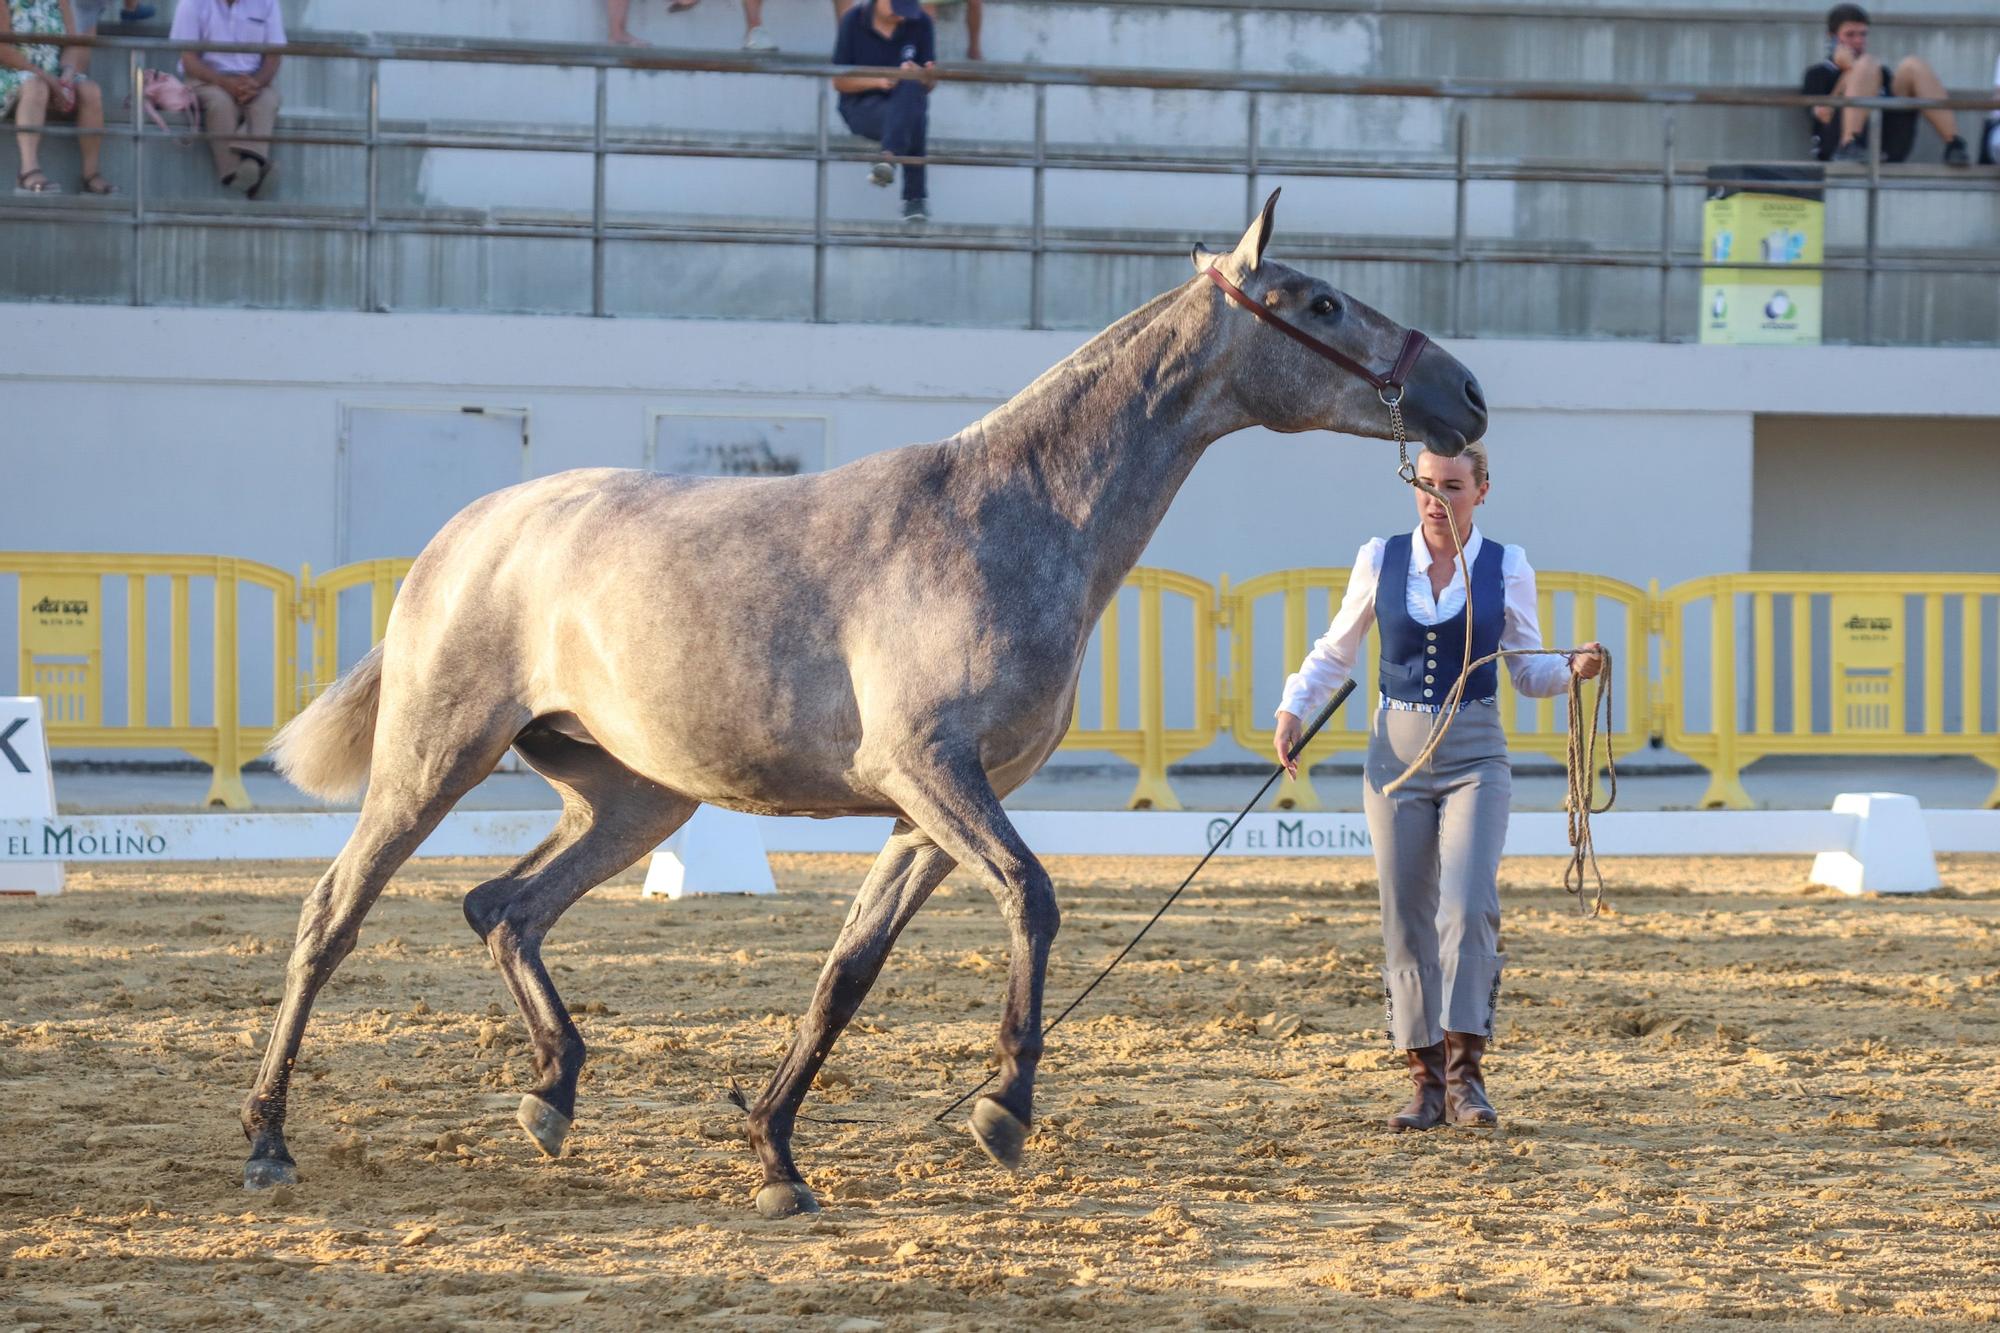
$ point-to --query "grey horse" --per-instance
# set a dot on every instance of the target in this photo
(899, 636)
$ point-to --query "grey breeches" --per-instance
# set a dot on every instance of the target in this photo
(1437, 854)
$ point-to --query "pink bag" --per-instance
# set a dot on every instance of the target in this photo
(165, 93)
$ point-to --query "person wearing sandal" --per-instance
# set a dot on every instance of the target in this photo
(88, 14)
(618, 14)
(239, 102)
(33, 92)
(1437, 839)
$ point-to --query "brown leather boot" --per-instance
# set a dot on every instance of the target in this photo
(1426, 1108)
(1465, 1087)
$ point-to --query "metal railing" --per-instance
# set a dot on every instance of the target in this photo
(1257, 164)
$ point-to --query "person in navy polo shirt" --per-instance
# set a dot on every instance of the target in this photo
(894, 34)
(1438, 838)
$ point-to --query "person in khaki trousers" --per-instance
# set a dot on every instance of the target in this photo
(236, 89)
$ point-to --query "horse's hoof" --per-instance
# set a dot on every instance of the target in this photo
(998, 1132)
(262, 1173)
(547, 1126)
(785, 1198)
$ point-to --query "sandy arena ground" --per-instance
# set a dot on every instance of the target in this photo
(1734, 1096)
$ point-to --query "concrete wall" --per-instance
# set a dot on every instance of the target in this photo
(217, 431)
(1883, 493)
(221, 428)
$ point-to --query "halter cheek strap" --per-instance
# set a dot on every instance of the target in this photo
(1399, 375)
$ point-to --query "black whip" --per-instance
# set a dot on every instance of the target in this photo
(1325, 716)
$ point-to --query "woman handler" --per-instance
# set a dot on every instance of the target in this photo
(1438, 838)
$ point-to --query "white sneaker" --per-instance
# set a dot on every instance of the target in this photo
(758, 40)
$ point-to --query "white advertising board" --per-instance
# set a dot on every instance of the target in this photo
(27, 791)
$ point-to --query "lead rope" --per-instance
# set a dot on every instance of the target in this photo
(1580, 759)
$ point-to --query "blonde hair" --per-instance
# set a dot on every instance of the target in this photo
(1475, 451)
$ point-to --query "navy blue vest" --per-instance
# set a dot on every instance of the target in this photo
(1420, 662)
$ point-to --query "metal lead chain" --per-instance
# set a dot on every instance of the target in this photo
(1406, 470)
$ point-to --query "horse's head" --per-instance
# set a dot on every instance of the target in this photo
(1332, 378)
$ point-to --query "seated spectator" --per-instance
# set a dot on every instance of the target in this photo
(894, 34)
(975, 18)
(88, 13)
(32, 90)
(1849, 71)
(1989, 145)
(754, 36)
(239, 105)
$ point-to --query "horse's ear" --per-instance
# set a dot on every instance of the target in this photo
(1201, 258)
(1250, 250)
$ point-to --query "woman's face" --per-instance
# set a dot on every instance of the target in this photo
(1452, 476)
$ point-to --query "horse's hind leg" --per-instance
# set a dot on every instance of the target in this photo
(611, 817)
(908, 868)
(397, 815)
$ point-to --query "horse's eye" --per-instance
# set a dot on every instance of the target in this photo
(1324, 306)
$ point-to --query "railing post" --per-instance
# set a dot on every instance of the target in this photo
(1874, 220)
(373, 203)
(1293, 793)
(1152, 791)
(819, 207)
(1460, 156)
(1038, 255)
(137, 651)
(225, 787)
(1725, 780)
(135, 71)
(597, 196)
(1666, 213)
(1253, 131)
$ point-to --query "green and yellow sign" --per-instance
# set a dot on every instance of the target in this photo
(1777, 305)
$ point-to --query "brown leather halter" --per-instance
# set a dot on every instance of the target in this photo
(1406, 361)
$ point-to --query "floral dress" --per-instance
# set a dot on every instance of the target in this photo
(31, 16)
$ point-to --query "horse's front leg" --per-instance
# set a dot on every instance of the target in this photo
(956, 805)
(909, 867)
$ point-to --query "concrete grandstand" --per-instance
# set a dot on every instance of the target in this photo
(1574, 181)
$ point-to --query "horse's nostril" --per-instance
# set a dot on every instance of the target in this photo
(1474, 396)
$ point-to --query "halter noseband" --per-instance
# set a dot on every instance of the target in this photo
(1414, 343)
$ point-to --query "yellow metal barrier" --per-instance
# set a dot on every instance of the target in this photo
(1250, 720)
(1536, 725)
(1858, 683)
(319, 604)
(1829, 656)
(1152, 744)
(62, 631)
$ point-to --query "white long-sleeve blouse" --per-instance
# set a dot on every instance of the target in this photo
(1333, 657)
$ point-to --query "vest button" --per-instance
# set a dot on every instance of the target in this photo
(1428, 680)
(1431, 634)
(1432, 664)
(1427, 694)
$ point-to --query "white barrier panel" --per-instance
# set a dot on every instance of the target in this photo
(253, 837)
(1889, 850)
(26, 790)
(249, 837)
(716, 851)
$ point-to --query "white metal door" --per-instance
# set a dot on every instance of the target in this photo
(404, 471)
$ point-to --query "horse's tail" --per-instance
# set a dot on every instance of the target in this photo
(325, 750)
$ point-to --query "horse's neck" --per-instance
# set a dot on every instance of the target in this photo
(1095, 450)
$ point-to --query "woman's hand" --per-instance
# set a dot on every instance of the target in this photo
(1286, 739)
(63, 96)
(1587, 661)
